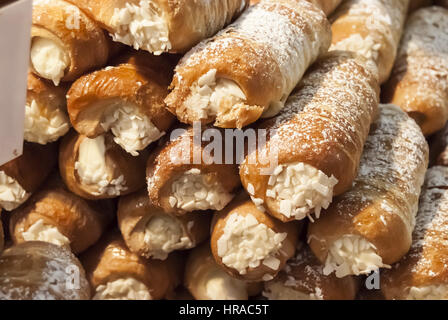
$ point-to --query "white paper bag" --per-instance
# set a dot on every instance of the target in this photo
(15, 28)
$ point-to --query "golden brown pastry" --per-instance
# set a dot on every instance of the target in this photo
(419, 82)
(302, 278)
(327, 6)
(249, 244)
(370, 226)
(371, 28)
(248, 70)
(152, 233)
(206, 280)
(20, 177)
(160, 25)
(183, 177)
(125, 99)
(65, 42)
(46, 118)
(422, 274)
(316, 142)
(38, 270)
(115, 273)
(58, 216)
(98, 168)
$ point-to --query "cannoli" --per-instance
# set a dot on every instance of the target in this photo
(183, 177)
(423, 274)
(115, 273)
(46, 118)
(58, 216)
(159, 25)
(126, 99)
(370, 226)
(317, 141)
(371, 28)
(98, 168)
(20, 177)
(38, 270)
(206, 280)
(303, 278)
(419, 82)
(248, 69)
(65, 42)
(249, 244)
(152, 233)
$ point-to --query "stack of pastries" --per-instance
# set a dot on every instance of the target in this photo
(131, 187)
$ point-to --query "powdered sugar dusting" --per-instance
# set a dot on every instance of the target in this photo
(379, 27)
(334, 105)
(394, 161)
(430, 238)
(285, 37)
(423, 57)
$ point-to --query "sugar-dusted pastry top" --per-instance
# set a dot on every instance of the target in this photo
(259, 53)
(394, 154)
(423, 272)
(371, 28)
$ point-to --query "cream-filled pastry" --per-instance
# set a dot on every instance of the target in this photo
(247, 70)
(58, 216)
(370, 226)
(20, 177)
(98, 168)
(65, 41)
(125, 99)
(312, 153)
(249, 244)
(152, 233)
(179, 181)
(161, 26)
(115, 273)
(46, 118)
(206, 280)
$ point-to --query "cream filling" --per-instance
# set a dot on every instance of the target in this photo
(44, 125)
(221, 286)
(433, 292)
(164, 234)
(49, 59)
(195, 191)
(122, 289)
(352, 255)
(132, 131)
(142, 26)
(278, 291)
(40, 231)
(92, 170)
(299, 189)
(210, 95)
(247, 243)
(12, 194)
